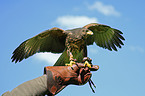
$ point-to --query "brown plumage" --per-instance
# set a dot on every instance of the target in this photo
(71, 43)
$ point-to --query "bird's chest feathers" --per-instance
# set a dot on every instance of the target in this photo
(76, 44)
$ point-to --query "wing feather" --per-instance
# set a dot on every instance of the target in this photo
(105, 36)
(52, 40)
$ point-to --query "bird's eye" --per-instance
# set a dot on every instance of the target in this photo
(85, 30)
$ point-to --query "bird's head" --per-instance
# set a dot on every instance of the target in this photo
(80, 33)
(86, 32)
(89, 32)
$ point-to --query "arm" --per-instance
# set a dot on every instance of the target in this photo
(37, 86)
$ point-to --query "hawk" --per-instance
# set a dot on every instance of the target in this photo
(71, 43)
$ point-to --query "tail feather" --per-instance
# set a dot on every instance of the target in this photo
(62, 60)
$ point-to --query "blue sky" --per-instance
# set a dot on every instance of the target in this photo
(121, 73)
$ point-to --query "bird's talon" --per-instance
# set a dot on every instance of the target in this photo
(71, 63)
(87, 64)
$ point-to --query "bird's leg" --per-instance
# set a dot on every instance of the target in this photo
(72, 60)
(87, 62)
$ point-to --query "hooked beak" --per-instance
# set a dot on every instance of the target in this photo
(89, 33)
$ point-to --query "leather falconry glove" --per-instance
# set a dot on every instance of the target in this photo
(58, 77)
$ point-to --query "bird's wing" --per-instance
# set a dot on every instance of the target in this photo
(105, 36)
(52, 40)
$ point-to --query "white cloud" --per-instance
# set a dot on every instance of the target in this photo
(68, 21)
(107, 10)
(137, 49)
(50, 58)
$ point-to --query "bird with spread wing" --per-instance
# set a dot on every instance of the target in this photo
(71, 43)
